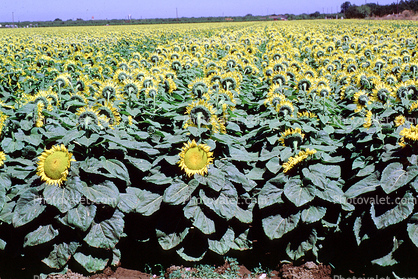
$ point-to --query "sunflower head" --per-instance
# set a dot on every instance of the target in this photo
(53, 165)
(292, 137)
(284, 108)
(399, 120)
(195, 159)
(86, 117)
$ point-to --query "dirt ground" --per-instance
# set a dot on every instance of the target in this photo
(309, 270)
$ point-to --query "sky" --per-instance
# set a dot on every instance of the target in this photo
(44, 10)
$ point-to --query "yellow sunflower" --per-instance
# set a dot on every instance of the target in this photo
(399, 120)
(53, 165)
(293, 161)
(2, 158)
(292, 137)
(409, 136)
(195, 158)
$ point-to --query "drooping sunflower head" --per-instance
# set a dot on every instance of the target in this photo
(151, 92)
(2, 158)
(195, 159)
(230, 80)
(108, 91)
(292, 137)
(278, 78)
(63, 80)
(381, 92)
(110, 113)
(285, 108)
(131, 87)
(361, 99)
(199, 87)
(409, 136)
(86, 117)
(323, 90)
(53, 165)
(200, 111)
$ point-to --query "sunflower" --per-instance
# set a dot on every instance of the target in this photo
(409, 135)
(202, 114)
(292, 137)
(3, 118)
(195, 159)
(381, 92)
(199, 88)
(293, 161)
(39, 118)
(368, 120)
(285, 107)
(87, 116)
(110, 113)
(361, 99)
(399, 120)
(53, 165)
(2, 158)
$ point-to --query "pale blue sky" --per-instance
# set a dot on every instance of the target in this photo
(29, 10)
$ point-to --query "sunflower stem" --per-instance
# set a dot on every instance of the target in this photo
(295, 145)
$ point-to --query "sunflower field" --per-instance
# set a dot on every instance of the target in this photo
(185, 143)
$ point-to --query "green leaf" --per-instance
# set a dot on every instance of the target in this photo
(215, 179)
(90, 264)
(412, 229)
(180, 192)
(388, 260)
(140, 164)
(236, 176)
(171, 240)
(240, 154)
(273, 165)
(116, 256)
(186, 257)
(242, 243)
(61, 254)
(313, 214)
(315, 177)
(2, 244)
(41, 235)
(222, 246)
(29, 206)
(107, 233)
(85, 141)
(6, 215)
(303, 247)
(357, 228)
(256, 173)
(158, 178)
(128, 202)
(332, 171)
(80, 217)
(368, 184)
(116, 168)
(277, 226)
(148, 202)
(394, 176)
(64, 198)
(395, 215)
(10, 146)
(366, 171)
(297, 193)
(105, 193)
(271, 193)
(200, 220)
(334, 194)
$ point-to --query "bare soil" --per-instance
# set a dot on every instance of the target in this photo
(405, 15)
(309, 270)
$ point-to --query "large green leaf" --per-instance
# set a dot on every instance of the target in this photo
(313, 214)
(242, 243)
(90, 264)
(180, 192)
(394, 176)
(271, 193)
(60, 255)
(104, 193)
(273, 165)
(80, 217)
(388, 260)
(297, 193)
(64, 198)
(168, 241)
(412, 229)
(107, 233)
(141, 164)
(303, 247)
(357, 229)
(193, 211)
(41, 235)
(116, 168)
(148, 203)
(332, 171)
(189, 258)
(395, 215)
(240, 154)
(28, 207)
(223, 245)
(128, 202)
(6, 214)
(368, 184)
(276, 226)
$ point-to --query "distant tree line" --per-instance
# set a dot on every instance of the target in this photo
(372, 9)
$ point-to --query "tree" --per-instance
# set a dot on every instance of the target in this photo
(345, 6)
(57, 19)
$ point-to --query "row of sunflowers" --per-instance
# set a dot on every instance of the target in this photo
(205, 140)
